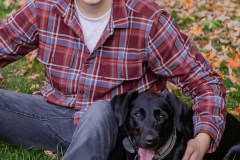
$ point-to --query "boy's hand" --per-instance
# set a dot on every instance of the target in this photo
(197, 147)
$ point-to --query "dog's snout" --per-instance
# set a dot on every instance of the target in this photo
(149, 139)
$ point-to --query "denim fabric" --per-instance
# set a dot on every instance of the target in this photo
(29, 121)
(95, 135)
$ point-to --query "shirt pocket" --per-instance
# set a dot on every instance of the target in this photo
(117, 70)
(56, 56)
(58, 67)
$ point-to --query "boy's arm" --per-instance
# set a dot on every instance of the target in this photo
(171, 55)
(18, 34)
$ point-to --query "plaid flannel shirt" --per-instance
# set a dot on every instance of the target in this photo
(140, 49)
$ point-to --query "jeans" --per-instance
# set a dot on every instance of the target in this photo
(29, 121)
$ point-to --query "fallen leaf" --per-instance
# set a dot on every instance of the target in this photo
(50, 154)
(197, 31)
(19, 72)
(221, 74)
(34, 76)
(233, 77)
(230, 90)
(35, 87)
(234, 63)
(234, 112)
(187, 3)
(7, 3)
(171, 87)
(238, 108)
(1, 79)
(30, 58)
(21, 2)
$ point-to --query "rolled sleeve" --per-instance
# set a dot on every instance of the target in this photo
(210, 118)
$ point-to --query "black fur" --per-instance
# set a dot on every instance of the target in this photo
(150, 119)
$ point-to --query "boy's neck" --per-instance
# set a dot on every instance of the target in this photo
(94, 8)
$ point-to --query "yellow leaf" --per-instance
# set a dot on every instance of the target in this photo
(187, 3)
(216, 63)
(221, 74)
(196, 31)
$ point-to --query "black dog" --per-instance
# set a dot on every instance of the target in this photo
(163, 123)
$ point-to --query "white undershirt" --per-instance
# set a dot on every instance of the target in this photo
(92, 27)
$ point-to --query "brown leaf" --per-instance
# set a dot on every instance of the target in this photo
(35, 87)
(21, 2)
(1, 79)
(234, 112)
(19, 72)
(34, 76)
(233, 77)
(7, 3)
(230, 90)
(50, 154)
(171, 87)
(238, 108)
(30, 57)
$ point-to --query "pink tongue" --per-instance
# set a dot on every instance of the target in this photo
(145, 154)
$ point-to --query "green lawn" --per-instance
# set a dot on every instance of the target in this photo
(14, 80)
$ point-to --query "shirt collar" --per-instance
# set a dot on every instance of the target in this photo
(119, 12)
(62, 7)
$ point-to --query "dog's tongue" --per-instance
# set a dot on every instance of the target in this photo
(145, 154)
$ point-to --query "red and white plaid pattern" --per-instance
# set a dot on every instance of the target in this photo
(141, 48)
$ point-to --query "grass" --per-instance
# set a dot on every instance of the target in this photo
(8, 152)
(21, 84)
(15, 81)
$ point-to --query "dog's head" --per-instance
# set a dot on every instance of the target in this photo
(149, 118)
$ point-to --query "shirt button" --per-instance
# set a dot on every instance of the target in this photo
(81, 92)
(122, 75)
(52, 60)
(87, 65)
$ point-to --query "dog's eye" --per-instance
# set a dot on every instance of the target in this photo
(138, 115)
(158, 115)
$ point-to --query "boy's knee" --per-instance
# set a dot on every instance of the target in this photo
(100, 110)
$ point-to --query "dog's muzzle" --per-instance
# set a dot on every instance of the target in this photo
(160, 153)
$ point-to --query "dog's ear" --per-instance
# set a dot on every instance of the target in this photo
(179, 109)
(120, 105)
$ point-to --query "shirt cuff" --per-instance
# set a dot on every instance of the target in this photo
(213, 126)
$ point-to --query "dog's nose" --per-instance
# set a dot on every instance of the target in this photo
(149, 139)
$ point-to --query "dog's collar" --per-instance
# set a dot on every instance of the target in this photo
(162, 152)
